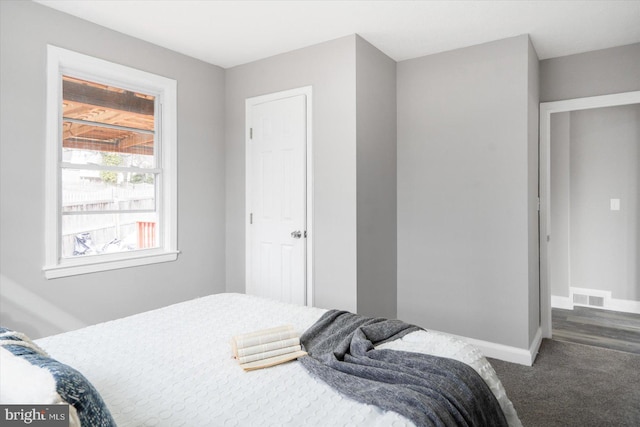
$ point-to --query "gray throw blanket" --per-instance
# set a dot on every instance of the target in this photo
(428, 390)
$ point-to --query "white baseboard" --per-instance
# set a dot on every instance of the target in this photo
(614, 304)
(508, 353)
(623, 305)
(561, 302)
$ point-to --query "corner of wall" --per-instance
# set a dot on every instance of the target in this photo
(533, 110)
(508, 353)
(376, 181)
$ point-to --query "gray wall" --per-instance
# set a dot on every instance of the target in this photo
(25, 30)
(600, 72)
(464, 183)
(605, 164)
(376, 181)
(330, 68)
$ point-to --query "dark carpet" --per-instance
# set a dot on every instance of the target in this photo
(574, 385)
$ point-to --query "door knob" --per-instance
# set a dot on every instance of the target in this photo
(296, 234)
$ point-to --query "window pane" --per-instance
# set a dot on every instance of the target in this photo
(103, 190)
(95, 139)
(84, 235)
(101, 103)
(88, 156)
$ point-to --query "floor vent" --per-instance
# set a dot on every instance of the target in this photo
(581, 299)
(584, 297)
(596, 301)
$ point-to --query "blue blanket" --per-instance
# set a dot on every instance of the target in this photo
(428, 390)
(71, 385)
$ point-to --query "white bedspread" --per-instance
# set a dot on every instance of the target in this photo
(173, 367)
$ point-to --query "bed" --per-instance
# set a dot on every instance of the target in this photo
(173, 367)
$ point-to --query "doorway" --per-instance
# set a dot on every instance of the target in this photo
(549, 234)
(278, 196)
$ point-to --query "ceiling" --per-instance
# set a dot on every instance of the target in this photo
(229, 33)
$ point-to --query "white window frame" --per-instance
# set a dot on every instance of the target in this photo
(65, 62)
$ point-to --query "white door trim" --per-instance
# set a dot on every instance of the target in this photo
(249, 103)
(546, 109)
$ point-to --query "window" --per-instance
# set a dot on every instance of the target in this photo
(111, 166)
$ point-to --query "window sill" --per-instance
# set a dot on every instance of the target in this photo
(65, 270)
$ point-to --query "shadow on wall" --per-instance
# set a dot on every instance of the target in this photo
(7, 321)
(27, 312)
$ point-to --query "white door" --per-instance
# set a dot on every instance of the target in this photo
(276, 199)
